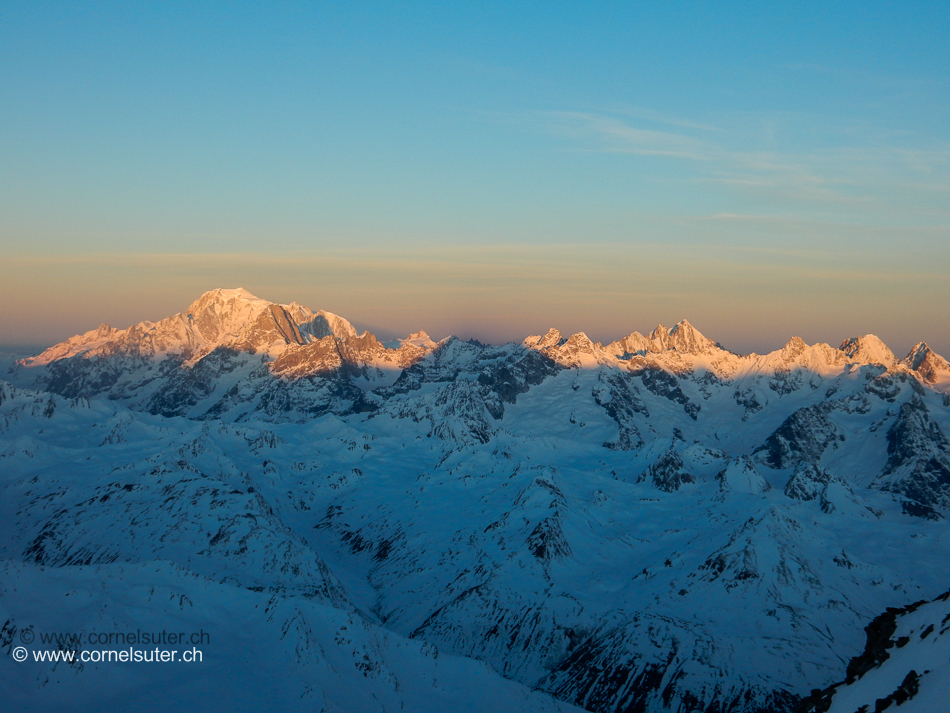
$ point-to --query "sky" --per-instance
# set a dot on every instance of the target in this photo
(489, 170)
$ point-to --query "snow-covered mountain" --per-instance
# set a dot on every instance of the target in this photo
(656, 524)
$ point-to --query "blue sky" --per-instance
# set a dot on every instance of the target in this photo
(760, 169)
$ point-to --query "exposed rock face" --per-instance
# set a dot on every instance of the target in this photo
(503, 380)
(812, 483)
(918, 462)
(668, 473)
(621, 400)
(665, 384)
(930, 366)
(636, 667)
(802, 438)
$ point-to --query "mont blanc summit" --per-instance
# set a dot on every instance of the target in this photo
(219, 318)
(655, 524)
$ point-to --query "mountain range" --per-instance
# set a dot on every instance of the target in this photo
(655, 524)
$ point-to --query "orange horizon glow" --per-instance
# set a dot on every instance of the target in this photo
(750, 300)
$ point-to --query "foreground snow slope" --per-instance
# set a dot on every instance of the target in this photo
(264, 651)
(657, 524)
(905, 663)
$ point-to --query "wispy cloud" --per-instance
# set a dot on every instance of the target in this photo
(666, 119)
(614, 135)
(813, 162)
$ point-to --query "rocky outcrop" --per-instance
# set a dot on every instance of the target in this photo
(802, 438)
(918, 457)
(668, 473)
(931, 367)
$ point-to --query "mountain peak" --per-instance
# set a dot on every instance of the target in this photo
(551, 339)
(918, 354)
(235, 292)
(868, 350)
(630, 344)
(420, 339)
(926, 362)
(581, 341)
(224, 311)
(222, 296)
(794, 347)
(684, 337)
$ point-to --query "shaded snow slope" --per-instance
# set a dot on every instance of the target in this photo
(905, 664)
(263, 651)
